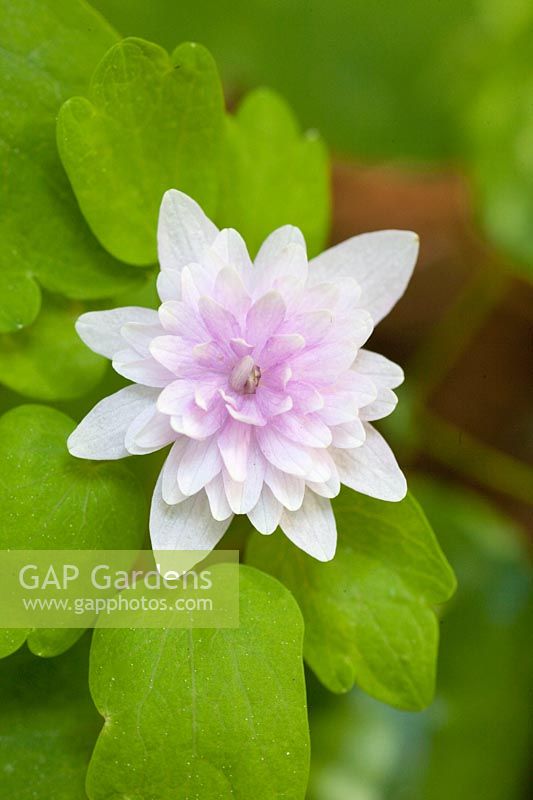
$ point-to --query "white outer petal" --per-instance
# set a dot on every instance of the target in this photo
(148, 432)
(348, 435)
(290, 263)
(231, 249)
(330, 488)
(242, 496)
(288, 489)
(146, 371)
(386, 376)
(266, 514)
(217, 499)
(183, 231)
(139, 336)
(384, 405)
(283, 454)
(372, 468)
(101, 434)
(186, 526)
(276, 242)
(169, 474)
(200, 463)
(169, 285)
(312, 528)
(234, 446)
(382, 263)
(382, 370)
(100, 330)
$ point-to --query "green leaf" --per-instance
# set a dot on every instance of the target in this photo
(151, 123)
(474, 739)
(47, 360)
(11, 639)
(23, 300)
(273, 175)
(47, 725)
(48, 49)
(50, 500)
(368, 613)
(204, 713)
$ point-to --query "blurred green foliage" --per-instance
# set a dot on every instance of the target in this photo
(373, 77)
(369, 613)
(272, 174)
(48, 725)
(378, 79)
(384, 80)
(501, 142)
(473, 741)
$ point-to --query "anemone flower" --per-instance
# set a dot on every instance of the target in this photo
(256, 376)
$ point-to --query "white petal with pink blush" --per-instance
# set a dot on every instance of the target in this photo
(256, 375)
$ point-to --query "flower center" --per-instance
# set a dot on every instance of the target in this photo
(245, 376)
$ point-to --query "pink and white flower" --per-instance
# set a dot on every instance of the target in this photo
(256, 375)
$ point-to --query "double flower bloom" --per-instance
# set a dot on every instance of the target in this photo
(255, 373)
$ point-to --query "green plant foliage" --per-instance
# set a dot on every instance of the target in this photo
(47, 725)
(48, 49)
(488, 656)
(399, 84)
(23, 300)
(47, 360)
(51, 500)
(273, 175)
(204, 713)
(473, 741)
(501, 130)
(151, 123)
(11, 639)
(369, 613)
(378, 82)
